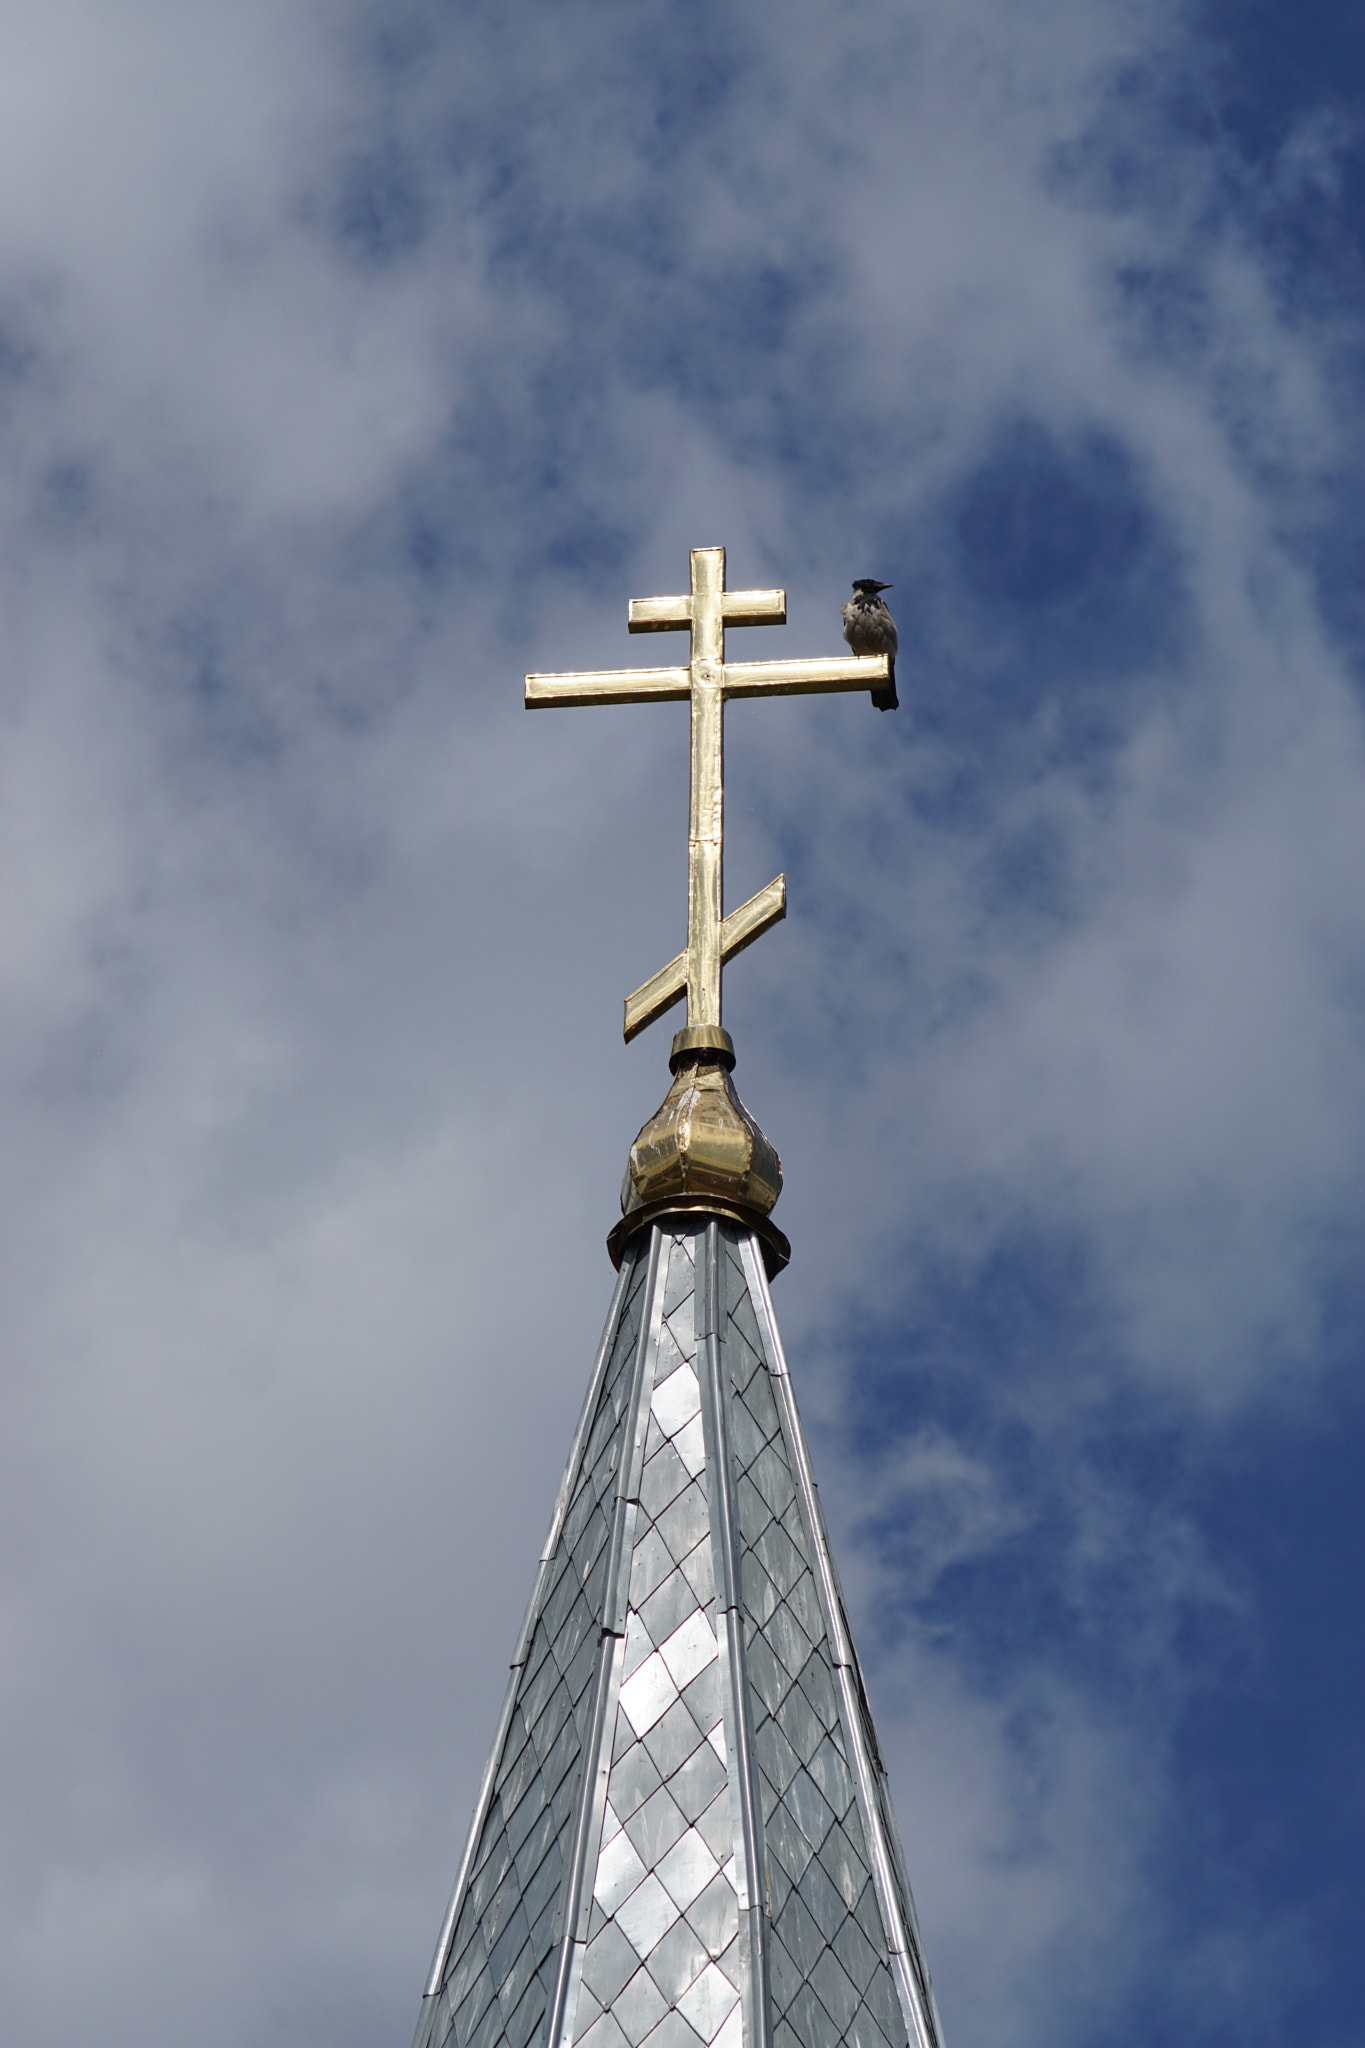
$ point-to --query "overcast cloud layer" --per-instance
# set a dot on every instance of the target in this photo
(354, 361)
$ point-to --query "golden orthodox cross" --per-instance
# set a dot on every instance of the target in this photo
(707, 681)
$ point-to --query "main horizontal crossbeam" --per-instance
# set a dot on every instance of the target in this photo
(737, 679)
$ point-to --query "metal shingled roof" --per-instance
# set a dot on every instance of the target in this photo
(683, 1838)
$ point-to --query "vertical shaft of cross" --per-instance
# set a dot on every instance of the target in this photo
(705, 824)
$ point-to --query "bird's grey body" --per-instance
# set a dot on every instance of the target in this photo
(870, 629)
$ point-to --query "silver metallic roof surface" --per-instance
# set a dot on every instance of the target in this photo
(683, 1837)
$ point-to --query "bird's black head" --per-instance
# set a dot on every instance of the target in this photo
(869, 586)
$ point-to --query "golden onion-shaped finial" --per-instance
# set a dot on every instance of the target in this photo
(701, 1150)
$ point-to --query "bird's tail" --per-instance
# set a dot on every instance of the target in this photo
(887, 700)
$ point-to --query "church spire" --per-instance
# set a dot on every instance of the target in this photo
(683, 1838)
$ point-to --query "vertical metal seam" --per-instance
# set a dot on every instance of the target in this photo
(899, 1923)
(749, 1850)
(440, 1959)
(596, 1762)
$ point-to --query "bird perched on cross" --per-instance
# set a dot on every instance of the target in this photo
(870, 629)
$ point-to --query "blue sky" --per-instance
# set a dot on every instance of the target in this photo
(355, 360)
